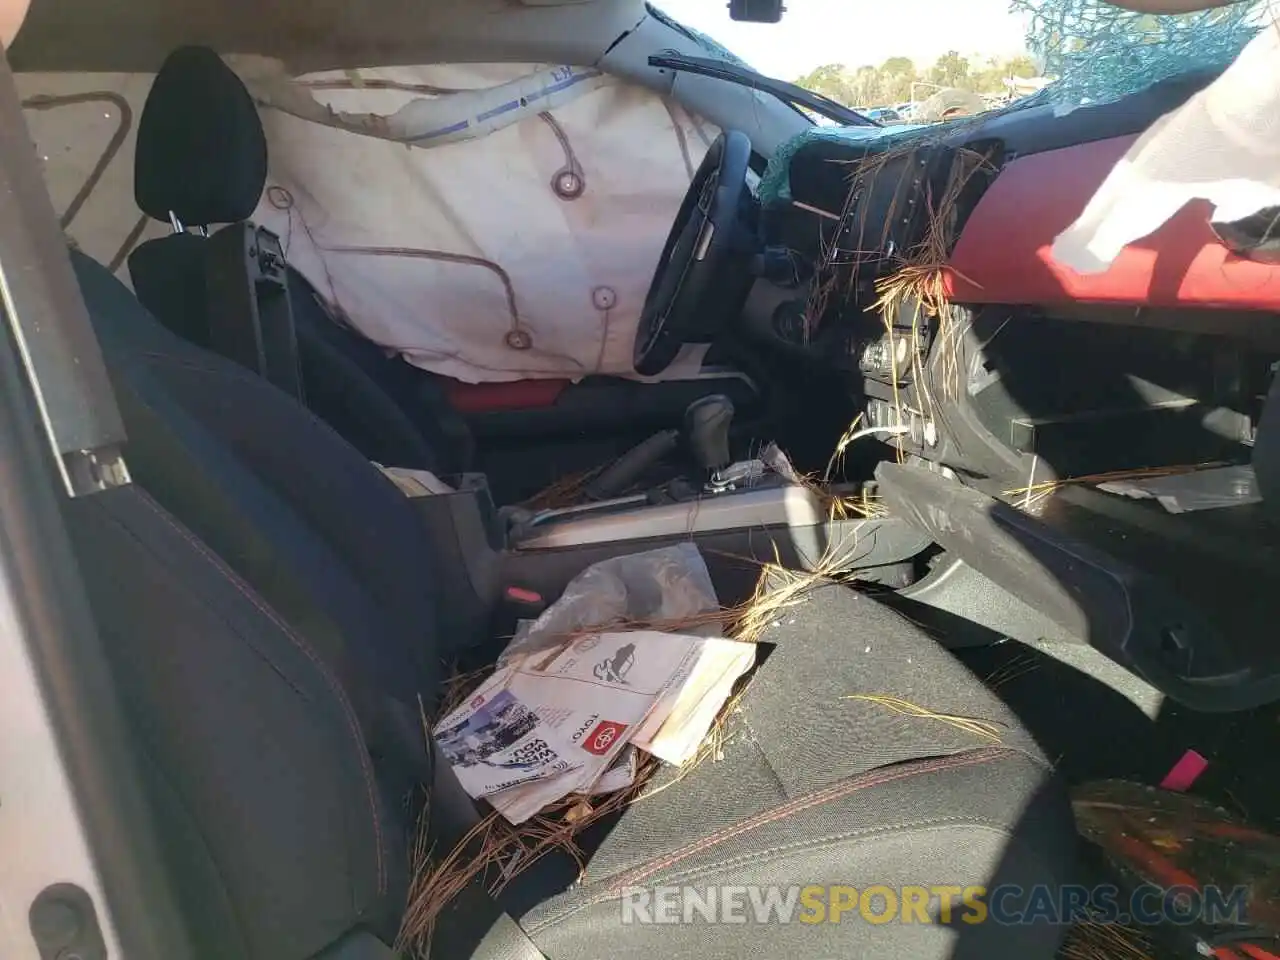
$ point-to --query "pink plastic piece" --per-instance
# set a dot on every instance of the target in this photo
(1185, 772)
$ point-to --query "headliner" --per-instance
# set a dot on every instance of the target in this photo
(136, 35)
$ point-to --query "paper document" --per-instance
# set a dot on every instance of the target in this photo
(558, 712)
(677, 726)
(560, 721)
(496, 741)
(573, 706)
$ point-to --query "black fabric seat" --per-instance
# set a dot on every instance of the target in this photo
(283, 827)
(268, 600)
(817, 789)
(202, 159)
(237, 460)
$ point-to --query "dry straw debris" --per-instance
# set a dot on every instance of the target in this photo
(1032, 496)
(913, 299)
(494, 852)
(564, 492)
(1089, 940)
(982, 729)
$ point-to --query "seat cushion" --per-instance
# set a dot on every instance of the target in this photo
(817, 789)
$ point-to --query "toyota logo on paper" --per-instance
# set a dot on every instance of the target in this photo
(601, 740)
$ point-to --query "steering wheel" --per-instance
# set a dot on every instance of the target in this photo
(691, 292)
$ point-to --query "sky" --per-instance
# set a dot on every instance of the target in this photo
(857, 32)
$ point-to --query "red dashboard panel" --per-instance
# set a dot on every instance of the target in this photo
(495, 397)
(1003, 254)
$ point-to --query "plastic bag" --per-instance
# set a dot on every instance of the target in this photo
(661, 587)
(1197, 490)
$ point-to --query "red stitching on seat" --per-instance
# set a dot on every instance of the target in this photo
(353, 722)
(836, 792)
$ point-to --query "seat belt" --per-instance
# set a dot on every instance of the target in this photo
(250, 313)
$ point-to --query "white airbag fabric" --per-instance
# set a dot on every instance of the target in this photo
(1223, 146)
(462, 256)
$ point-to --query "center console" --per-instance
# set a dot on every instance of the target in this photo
(787, 518)
(745, 508)
(484, 556)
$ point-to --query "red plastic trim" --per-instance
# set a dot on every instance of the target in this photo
(495, 397)
(1003, 254)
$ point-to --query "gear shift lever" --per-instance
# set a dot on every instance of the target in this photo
(706, 427)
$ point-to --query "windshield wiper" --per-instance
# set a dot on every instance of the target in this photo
(786, 92)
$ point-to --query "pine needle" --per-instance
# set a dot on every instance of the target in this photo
(842, 446)
(456, 690)
(853, 433)
(495, 852)
(564, 492)
(983, 729)
(1013, 669)
(921, 284)
(864, 506)
(1032, 495)
(915, 293)
(1090, 940)
(781, 588)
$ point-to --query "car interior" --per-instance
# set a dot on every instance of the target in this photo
(315, 602)
(279, 618)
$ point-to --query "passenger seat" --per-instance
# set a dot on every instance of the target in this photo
(202, 160)
(285, 830)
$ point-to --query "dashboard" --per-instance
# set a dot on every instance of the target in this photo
(856, 209)
(856, 212)
(1173, 368)
(1021, 392)
(980, 195)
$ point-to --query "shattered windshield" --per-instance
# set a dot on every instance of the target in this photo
(1098, 52)
(709, 44)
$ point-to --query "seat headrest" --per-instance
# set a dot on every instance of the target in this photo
(201, 152)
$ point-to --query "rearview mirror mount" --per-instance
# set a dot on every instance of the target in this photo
(756, 11)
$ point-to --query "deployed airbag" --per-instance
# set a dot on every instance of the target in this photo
(524, 251)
